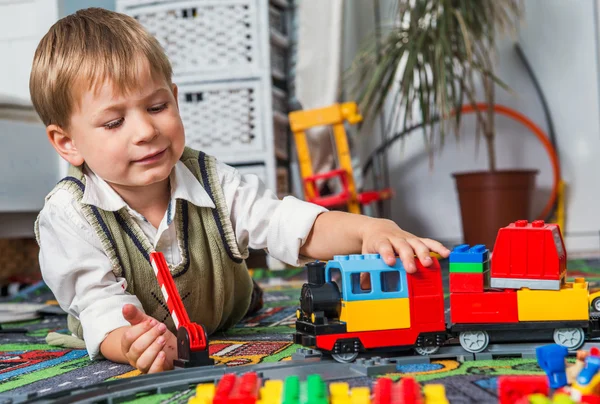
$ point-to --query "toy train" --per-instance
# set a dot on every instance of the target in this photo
(518, 293)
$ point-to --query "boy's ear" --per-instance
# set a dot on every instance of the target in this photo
(175, 92)
(64, 145)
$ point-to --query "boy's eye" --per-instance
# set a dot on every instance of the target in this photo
(158, 108)
(113, 124)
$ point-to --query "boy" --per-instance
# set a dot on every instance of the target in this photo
(102, 86)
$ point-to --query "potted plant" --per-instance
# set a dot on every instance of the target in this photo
(432, 60)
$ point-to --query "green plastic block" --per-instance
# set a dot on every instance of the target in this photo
(291, 390)
(562, 399)
(313, 391)
(469, 267)
(539, 399)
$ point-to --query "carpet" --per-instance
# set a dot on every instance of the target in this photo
(28, 364)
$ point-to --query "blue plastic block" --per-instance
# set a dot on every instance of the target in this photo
(387, 282)
(476, 254)
(551, 359)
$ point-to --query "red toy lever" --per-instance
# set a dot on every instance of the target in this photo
(192, 342)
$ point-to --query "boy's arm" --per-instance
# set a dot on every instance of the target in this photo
(341, 233)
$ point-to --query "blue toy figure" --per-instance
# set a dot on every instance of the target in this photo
(551, 359)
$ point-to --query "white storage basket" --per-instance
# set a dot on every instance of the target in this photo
(224, 118)
(210, 39)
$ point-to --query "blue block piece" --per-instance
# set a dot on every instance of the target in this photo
(465, 254)
(551, 359)
(591, 368)
(387, 282)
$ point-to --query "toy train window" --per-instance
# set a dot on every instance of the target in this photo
(335, 276)
(360, 286)
(558, 242)
(390, 281)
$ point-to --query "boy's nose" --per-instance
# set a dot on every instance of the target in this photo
(145, 131)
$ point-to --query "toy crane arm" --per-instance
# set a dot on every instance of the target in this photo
(192, 343)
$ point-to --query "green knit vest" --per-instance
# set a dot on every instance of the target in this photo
(212, 279)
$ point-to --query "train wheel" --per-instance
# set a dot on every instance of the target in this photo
(474, 341)
(427, 350)
(345, 357)
(596, 304)
(572, 338)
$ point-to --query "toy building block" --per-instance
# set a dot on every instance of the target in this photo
(313, 390)
(511, 389)
(519, 283)
(466, 282)
(204, 394)
(270, 392)
(237, 389)
(407, 390)
(360, 395)
(534, 251)
(339, 393)
(477, 254)
(551, 359)
(469, 267)
(382, 392)
(435, 394)
(574, 370)
(568, 303)
(486, 307)
(291, 390)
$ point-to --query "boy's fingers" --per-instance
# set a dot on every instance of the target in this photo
(159, 363)
(134, 332)
(147, 358)
(436, 246)
(406, 253)
(144, 341)
(386, 251)
(134, 315)
(421, 250)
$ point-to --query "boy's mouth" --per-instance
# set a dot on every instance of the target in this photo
(152, 157)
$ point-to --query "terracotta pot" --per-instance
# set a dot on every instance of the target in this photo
(491, 200)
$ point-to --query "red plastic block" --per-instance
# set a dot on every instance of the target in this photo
(512, 388)
(237, 390)
(590, 399)
(529, 251)
(426, 294)
(407, 390)
(382, 393)
(466, 282)
(485, 307)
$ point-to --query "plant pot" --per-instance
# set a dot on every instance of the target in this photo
(492, 200)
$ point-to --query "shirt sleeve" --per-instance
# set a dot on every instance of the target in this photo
(263, 221)
(79, 273)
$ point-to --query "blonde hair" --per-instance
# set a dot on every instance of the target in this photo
(87, 48)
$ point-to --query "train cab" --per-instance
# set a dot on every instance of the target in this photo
(358, 303)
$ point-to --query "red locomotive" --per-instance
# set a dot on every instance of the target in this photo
(520, 294)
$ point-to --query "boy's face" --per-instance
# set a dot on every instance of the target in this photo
(131, 140)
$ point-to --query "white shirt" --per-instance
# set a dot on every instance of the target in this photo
(79, 273)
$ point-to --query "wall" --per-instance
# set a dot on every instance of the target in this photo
(559, 38)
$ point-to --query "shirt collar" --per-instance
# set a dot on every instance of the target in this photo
(184, 185)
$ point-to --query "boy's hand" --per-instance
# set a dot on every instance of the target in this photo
(384, 237)
(148, 345)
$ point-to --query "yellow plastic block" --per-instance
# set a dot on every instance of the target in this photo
(339, 393)
(568, 303)
(360, 395)
(270, 392)
(375, 315)
(204, 394)
(435, 394)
